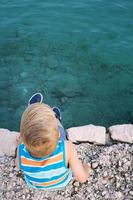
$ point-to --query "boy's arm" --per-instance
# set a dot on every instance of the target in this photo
(16, 160)
(18, 142)
(80, 171)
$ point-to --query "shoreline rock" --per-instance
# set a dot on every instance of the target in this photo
(88, 133)
(99, 135)
(123, 133)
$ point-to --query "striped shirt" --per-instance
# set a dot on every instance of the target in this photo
(49, 172)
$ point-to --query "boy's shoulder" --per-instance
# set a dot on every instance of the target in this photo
(68, 143)
(69, 146)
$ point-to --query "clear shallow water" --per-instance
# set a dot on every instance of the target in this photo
(78, 54)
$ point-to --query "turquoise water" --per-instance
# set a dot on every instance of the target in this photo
(79, 54)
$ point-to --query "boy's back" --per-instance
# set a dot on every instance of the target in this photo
(50, 172)
(46, 161)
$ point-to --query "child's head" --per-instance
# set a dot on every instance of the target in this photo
(39, 129)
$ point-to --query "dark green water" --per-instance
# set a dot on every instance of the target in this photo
(79, 54)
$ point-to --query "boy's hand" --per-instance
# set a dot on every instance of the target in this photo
(80, 171)
(87, 167)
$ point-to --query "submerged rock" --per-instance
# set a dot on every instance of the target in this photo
(66, 86)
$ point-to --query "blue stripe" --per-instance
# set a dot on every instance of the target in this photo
(42, 180)
(19, 157)
(40, 169)
(64, 154)
(54, 185)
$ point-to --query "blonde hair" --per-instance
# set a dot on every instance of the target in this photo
(39, 129)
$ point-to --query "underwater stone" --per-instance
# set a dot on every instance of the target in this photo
(22, 92)
(66, 85)
(52, 62)
(23, 75)
(17, 117)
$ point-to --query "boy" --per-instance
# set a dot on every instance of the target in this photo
(46, 159)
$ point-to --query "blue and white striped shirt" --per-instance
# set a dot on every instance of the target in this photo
(45, 173)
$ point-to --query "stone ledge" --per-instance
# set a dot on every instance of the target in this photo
(122, 133)
(99, 135)
(88, 133)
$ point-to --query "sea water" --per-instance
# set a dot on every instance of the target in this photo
(79, 54)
